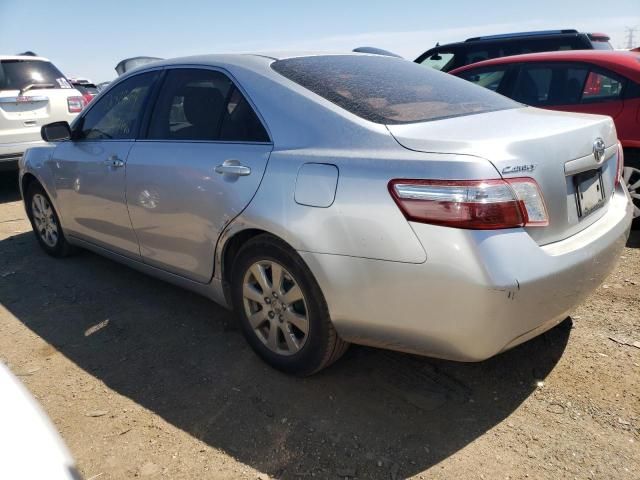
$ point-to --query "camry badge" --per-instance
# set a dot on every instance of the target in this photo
(598, 149)
(518, 168)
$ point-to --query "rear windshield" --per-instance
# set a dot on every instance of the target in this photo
(18, 74)
(388, 90)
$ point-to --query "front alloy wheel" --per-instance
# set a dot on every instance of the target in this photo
(44, 220)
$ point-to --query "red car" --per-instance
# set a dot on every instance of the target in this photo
(586, 81)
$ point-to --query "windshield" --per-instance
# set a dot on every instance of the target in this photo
(388, 90)
(18, 74)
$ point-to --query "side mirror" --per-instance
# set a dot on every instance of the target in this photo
(55, 132)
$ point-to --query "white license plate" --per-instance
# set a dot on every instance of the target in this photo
(589, 192)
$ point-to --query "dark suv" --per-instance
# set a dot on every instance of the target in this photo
(454, 55)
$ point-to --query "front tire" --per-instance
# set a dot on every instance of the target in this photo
(281, 309)
(45, 222)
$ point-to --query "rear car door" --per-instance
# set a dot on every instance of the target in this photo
(90, 168)
(33, 92)
(197, 168)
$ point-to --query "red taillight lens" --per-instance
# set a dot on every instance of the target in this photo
(471, 204)
(75, 104)
(620, 166)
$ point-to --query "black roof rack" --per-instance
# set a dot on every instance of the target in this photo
(521, 34)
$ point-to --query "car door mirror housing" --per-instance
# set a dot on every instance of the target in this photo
(55, 132)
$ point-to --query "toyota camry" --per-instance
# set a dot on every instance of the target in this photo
(339, 198)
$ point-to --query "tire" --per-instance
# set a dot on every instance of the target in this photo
(45, 222)
(288, 325)
(631, 174)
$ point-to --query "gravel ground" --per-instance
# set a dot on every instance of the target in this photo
(143, 379)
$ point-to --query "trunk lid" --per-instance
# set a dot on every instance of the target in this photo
(554, 148)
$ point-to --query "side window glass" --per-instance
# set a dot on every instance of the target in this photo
(117, 115)
(203, 105)
(240, 122)
(533, 85)
(601, 87)
(569, 84)
(490, 79)
(191, 105)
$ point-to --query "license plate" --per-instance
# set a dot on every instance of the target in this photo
(589, 192)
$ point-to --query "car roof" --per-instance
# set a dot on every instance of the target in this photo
(622, 62)
(23, 57)
(515, 36)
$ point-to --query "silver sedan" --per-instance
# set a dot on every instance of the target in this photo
(336, 199)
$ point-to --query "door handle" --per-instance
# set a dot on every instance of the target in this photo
(233, 167)
(114, 161)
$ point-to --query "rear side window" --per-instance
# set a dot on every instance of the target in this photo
(600, 87)
(203, 105)
(19, 74)
(388, 90)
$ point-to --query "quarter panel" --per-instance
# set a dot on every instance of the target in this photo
(363, 220)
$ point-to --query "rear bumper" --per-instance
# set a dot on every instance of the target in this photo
(478, 293)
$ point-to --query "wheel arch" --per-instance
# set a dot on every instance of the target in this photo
(229, 246)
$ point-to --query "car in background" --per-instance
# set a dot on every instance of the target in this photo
(29, 444)
(33, 92)
(339, 198)
(472, 50)
(599, 82)
(87, 88)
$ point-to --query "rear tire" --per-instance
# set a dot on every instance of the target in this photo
(281, 309)
(631, 175)
(45, 222)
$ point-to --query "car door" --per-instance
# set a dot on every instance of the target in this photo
(90, 169)
(197, 167)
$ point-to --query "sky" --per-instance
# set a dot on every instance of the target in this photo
(88, 39)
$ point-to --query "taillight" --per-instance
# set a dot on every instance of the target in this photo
(620, 165)
(471, 204)
(75, 104)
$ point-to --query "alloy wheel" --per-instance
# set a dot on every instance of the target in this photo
(44, 219)
(275, 307)
(631, 177)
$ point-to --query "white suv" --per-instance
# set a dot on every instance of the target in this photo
(33, 92)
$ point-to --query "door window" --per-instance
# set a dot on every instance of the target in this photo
(118, 113)
(547, 85)
(203, 105)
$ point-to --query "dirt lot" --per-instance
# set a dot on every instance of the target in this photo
(143, 379)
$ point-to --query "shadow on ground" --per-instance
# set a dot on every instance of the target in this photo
(9, 191)
(181, 356)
